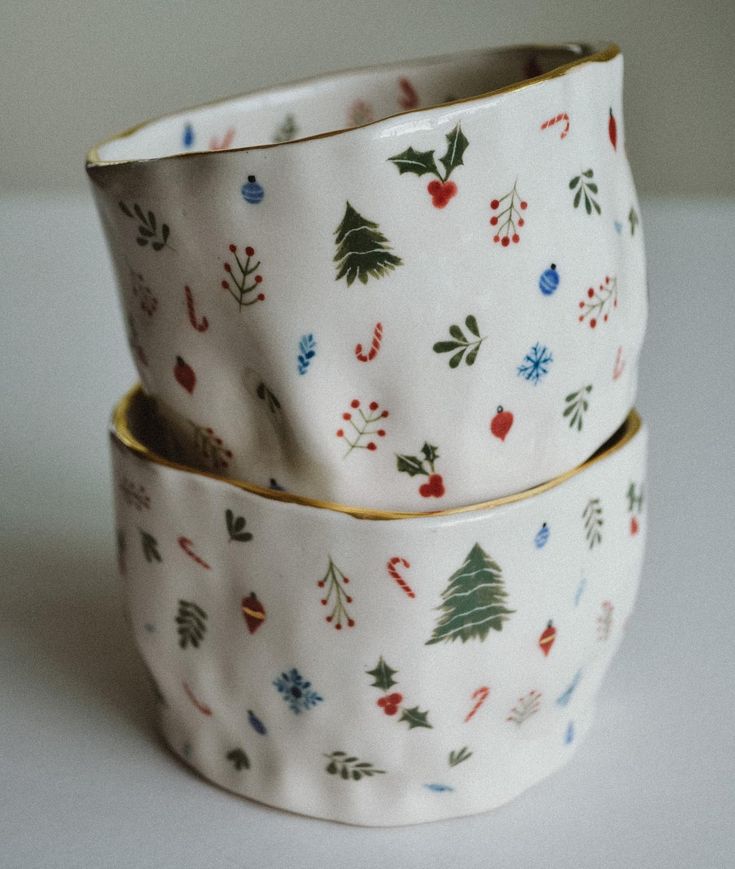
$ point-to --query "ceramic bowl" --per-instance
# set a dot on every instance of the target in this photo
(432, 309)
(368, 668)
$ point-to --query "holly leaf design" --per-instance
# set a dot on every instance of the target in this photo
(236, 527)
(415, 718)
(456, 145)
(416, 162)
(431, 453)
(239, 759)
(383, 675)
(410, 465)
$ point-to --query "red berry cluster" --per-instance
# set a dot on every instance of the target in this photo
(389, 703)
(434, 488)
(241, 287)
(509, 219)
(364, 427)
(599, 303)
(441, 192)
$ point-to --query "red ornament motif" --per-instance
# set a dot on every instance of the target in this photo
(546, 640)
(634, 526)
(184, 374)
(253, 612)
(501, 423)
(389, 703)
(612, 130)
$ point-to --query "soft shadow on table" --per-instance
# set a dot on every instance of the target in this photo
(65, 633)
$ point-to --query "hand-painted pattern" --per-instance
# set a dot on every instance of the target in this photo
(598, 304)
(356, 434)
(461, 343)
(334, 581)
(576, 406)
(351, 768)
(508, 219)
(585, 186)
(243, 277)
(535, 365)
(441, 189)
(149, 231)
(424, 465)
(362, 250)
(296, 691)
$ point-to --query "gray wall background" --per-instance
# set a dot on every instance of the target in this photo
(73, 72)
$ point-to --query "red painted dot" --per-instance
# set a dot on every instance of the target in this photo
(228, 267)
(354, 403)
(593, 323)
(345, 579)
(249, 250)
(261, 297)
(380, 432)
(590, 292)
(521, 221)
(581, 304)
(348, 599)
(384, 414)
(339, 627)
(516, 238)
(496, 238)
(346, 416)
(374, 405)
(506, 241)
(493, 220)
(351, 623)
(372, 447)
(225, 285)
(340, 433)
(524, 205)
(233, 248)
(581, 318)
(605, 318)
(494, 203)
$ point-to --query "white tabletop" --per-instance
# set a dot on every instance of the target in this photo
(85, 781)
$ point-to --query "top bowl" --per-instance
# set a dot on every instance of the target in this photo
(432, 309)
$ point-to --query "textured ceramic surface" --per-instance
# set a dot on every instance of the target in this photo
(433, 309)
(376, 672)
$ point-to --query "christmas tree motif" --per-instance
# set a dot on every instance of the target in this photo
(635, 506)
(243, 280)
(509, 219)
(459, 756)
(527, 706)
(350, 767)
(287, 131)
(599, 303)
(576, 406)
(605, 621)
(143, 293)
(535, 365)
(135, 494)
(391, 703)
(461, 344)
(191, 620)
(585, 186)
(424, 465)
(149, 545)
(148, 228)
(441, 189)
(296, 691)
(362, 249)
(335, 582)
(473, 602)
(238, 759)
(236, 527)
(593, 522)
(365, 427)
(210, 447)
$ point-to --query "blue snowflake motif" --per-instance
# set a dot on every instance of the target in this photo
(564, 698)
(536, 363)
(298, 693)
(307, 351)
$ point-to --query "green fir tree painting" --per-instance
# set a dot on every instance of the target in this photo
(362, 249)
(473, 602)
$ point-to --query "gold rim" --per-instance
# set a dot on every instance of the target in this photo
(606, 52)
(121, 431)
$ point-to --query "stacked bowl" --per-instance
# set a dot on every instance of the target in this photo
(380, 495)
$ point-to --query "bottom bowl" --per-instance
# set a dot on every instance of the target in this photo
(374, 668)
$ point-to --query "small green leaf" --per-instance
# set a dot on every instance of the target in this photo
(332, 768)
(139, 212)
(587, 204)
(431, 453)
(148, 233)
(356, 775)
(415, 718)
(457, 333)
(456, 145)
(472, 355)
(457, 358)
(164, 232)
(125, 208)
(471, 324)
(344, 772)
(410, 465)
(588, 174)
(577, 197)
(573, 183)
(142, 241)
(597, 207)
(446, 346)
(592, 188)
(152, 220)
(416, 162)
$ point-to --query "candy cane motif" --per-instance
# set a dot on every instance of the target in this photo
(224, 142)
(619, 364)
(202, 707)
(201, 325)
(480, 696)
(186, 545)
(562, 116)
(374, 346)
(391, 568)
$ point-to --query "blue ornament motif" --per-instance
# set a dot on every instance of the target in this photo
(618, 226)
(542, 536)
(549, 280)
(535, 365)
(188, 138)
(256, 723)
(569, 735)
(438, 789)
(297, 692)
(564, 698)
(251, 191)
(307, 351)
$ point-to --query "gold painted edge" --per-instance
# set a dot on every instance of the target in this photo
(121, 432)
(606, 52)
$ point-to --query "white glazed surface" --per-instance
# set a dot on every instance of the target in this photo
(221, 696)
(234, 360)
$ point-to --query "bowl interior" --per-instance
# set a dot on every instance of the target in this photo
(338, 101)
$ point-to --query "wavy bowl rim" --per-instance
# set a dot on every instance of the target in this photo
(600, 52)
(122, 434)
